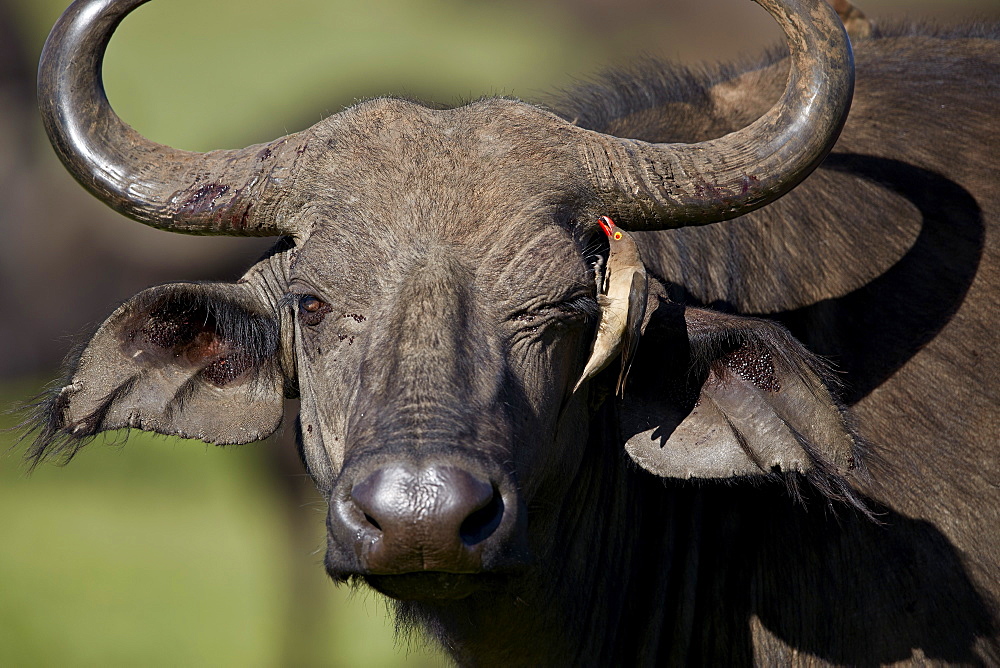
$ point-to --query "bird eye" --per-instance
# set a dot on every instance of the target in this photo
(312, 309)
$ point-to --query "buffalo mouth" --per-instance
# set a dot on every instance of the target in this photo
(429, 585)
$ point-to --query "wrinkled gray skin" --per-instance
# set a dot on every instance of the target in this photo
(434, 302)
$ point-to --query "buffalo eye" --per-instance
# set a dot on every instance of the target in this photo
(312, 309)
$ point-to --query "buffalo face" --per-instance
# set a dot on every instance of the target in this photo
(437, 389)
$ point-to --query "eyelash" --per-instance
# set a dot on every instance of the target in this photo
(582, 307)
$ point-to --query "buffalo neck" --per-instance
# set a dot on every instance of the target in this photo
(622, 573)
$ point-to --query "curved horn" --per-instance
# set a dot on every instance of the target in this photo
(220, 192)
(658, 186)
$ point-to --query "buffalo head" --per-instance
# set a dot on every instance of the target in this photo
(440, 283)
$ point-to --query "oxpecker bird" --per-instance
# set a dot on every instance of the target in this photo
(622, 298)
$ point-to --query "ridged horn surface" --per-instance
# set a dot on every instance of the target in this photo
(660, 186)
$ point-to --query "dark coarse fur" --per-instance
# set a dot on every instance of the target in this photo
(709, 574)
(651, 83)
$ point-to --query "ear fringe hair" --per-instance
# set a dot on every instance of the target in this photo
(45, 425)
(41, 421)
(42, 424)
(831, 485)
(44, 417)
(786, 352)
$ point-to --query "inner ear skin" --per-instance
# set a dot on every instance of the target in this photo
(174, 333)
(753, 363)
(204, 347)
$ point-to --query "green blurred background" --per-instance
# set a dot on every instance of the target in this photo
(158, 551)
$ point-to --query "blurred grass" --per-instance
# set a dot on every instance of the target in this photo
(166, 552)
(200, 75)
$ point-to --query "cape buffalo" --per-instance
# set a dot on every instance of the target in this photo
(559, 417)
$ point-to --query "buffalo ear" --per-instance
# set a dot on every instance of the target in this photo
(716, 396)
(192, 360)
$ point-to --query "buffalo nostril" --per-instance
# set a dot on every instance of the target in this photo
(374, 498)
(371, 520)
(429, 517)
(481, 524)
